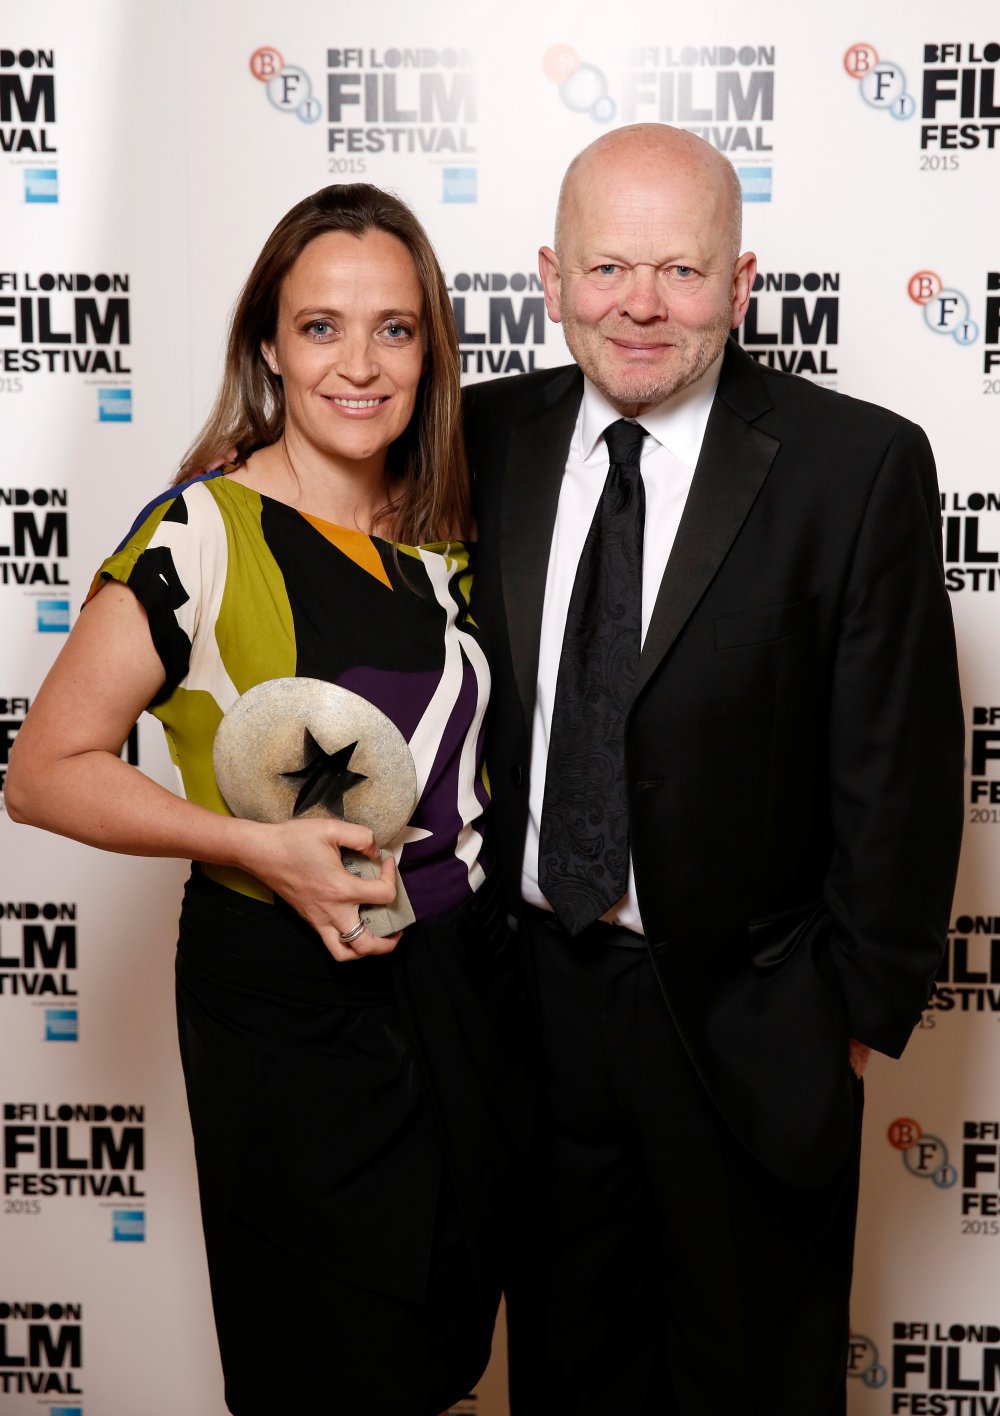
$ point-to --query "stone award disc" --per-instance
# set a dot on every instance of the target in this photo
(302, 747)
(302, 741)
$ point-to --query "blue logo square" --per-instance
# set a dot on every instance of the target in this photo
(62, 1025)
(41, 184)
(459, 184)
(128, 1226)
(114, 405)
(52, 616)
(756, 183)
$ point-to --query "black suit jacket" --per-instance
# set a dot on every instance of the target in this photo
(794, 746)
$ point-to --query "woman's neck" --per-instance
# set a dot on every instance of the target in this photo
(349, 495)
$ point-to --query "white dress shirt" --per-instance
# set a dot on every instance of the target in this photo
(676, 430)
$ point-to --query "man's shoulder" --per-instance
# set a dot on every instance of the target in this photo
(796, 396)
(806, 417)
(518, 393)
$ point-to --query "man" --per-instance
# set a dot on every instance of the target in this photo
(730, 855)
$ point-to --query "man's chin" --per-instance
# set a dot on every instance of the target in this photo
(626, 383)
(632, 392)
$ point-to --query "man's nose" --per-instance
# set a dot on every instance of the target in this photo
(644, 296)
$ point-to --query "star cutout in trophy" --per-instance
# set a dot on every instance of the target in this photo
(325, 779)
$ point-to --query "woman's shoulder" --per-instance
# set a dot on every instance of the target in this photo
(193, 504)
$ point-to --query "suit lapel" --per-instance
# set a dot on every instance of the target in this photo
(536, 461)
(735, 459)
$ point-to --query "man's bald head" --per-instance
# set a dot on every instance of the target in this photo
(651, 146)
(646, 276)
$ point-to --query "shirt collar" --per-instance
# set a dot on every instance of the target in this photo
(678, 423)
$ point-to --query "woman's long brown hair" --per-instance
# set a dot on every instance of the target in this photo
(249, 412)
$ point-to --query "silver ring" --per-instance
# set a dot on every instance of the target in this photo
(352, 934)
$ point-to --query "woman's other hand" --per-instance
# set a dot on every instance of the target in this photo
(301, 862)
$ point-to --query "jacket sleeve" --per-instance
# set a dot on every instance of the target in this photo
(896, 738)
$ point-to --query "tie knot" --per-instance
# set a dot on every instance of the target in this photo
(624, 442)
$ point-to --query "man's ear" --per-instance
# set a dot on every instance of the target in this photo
(548, 269)
(744, 272)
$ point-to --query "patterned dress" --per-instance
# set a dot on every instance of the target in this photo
(358, 1127)
(240, 588)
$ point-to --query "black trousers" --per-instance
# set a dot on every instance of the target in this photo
(667, 1272)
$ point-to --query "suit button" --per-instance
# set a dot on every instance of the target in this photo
(517, 775)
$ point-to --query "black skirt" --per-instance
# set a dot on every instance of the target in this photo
(361, 1132)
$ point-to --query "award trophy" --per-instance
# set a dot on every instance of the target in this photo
(301, 747)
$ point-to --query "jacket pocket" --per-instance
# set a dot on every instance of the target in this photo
(764, 623)
(776, 937)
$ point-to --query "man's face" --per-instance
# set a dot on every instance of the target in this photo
(644, 284)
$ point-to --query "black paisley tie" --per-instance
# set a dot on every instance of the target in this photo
(583, 849)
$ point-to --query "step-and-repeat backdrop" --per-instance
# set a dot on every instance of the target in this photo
(146, 153)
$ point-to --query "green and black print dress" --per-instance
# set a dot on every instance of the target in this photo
(357, 1126)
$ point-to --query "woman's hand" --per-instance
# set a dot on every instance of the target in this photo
(858, 1054)
(66, 775)
(301, 862)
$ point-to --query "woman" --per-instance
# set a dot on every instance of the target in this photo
(354, 1099)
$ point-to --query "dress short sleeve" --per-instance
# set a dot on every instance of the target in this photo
(171, 560)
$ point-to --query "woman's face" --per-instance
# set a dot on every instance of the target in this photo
(349, 344)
